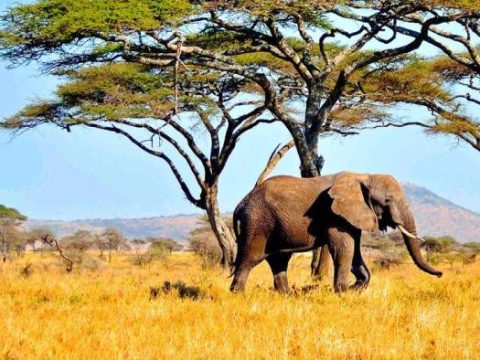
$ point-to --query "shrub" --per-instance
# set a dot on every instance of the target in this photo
(440, 243)
(158, 250)
(379, 241)
(165, 244)
(111, 239)
(450, 258)
(474, 247)
(202, 242)
(388, 261)
(468, 258)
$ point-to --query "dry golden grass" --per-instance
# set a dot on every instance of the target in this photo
(106, 314)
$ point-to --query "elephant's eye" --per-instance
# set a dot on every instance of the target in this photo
(388, 200)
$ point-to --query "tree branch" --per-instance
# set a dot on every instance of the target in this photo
(183, 185)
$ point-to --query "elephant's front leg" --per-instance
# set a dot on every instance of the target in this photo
(341, 246)
(279, 265)
(359, 268)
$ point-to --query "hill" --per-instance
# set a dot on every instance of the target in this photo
(434, 215)
(175, 227)
(437, 216)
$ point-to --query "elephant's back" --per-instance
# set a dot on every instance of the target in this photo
(292, 202)
(287, 188)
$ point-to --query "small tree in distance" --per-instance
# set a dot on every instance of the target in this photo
(111, 239)
(202, 243)
(165, 243)
(10, 237)
(153, 249)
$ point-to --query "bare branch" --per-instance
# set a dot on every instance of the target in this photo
(274, 159)
(186, 190)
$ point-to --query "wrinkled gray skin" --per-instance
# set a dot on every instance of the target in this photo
(286, 214)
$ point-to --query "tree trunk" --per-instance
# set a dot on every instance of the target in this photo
(321, 258)
(222, 232)
(311, 166)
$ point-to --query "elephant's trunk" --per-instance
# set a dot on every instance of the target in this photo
(412, 241)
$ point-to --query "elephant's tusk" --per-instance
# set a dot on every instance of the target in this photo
(405, 232)
(410, 235)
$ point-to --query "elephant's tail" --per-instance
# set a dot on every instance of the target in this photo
(239, 236)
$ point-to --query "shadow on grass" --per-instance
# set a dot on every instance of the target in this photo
(179, 289)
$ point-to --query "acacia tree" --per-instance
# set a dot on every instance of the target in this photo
(38, 234)
(441, 85)
(9, 234)
(111, 239)
(283, 49)
(457, 71)
(140, 103)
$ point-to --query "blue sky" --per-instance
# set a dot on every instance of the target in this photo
(50, 174)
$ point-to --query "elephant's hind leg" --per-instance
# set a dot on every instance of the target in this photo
(279, 264)
(341, 246)
(240, 278)
(249, 256)
(359, 268)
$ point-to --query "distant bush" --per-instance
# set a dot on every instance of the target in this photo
(440, 243)
(388, 261)
(159, 249)
(12, 239)
(111, 239)
(380, 241)
(202, 242)
(451, 258)
(468, 258)
(474, 247)
(446, 250)
(165, 244)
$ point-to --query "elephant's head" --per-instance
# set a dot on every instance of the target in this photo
(372, 202)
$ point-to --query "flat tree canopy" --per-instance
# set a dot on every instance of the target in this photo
(315, 51)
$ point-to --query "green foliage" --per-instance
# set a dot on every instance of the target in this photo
(451, 258)
(453, 4)
(50, 23)
(80, 241)
(439, 244)
(113, 92)
(413, 80)
(446, 250)
(380, 241)
(158, 249)
(164, 245)
(11, 213)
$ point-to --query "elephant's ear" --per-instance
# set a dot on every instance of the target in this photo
(349, 202)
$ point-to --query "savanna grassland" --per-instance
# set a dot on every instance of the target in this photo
(108, 313)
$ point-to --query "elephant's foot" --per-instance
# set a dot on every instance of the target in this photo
(359, 286)
(237, 287)
(340, 288)
(280, 282)
(240, 279)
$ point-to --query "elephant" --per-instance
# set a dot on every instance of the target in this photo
(286, 214)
